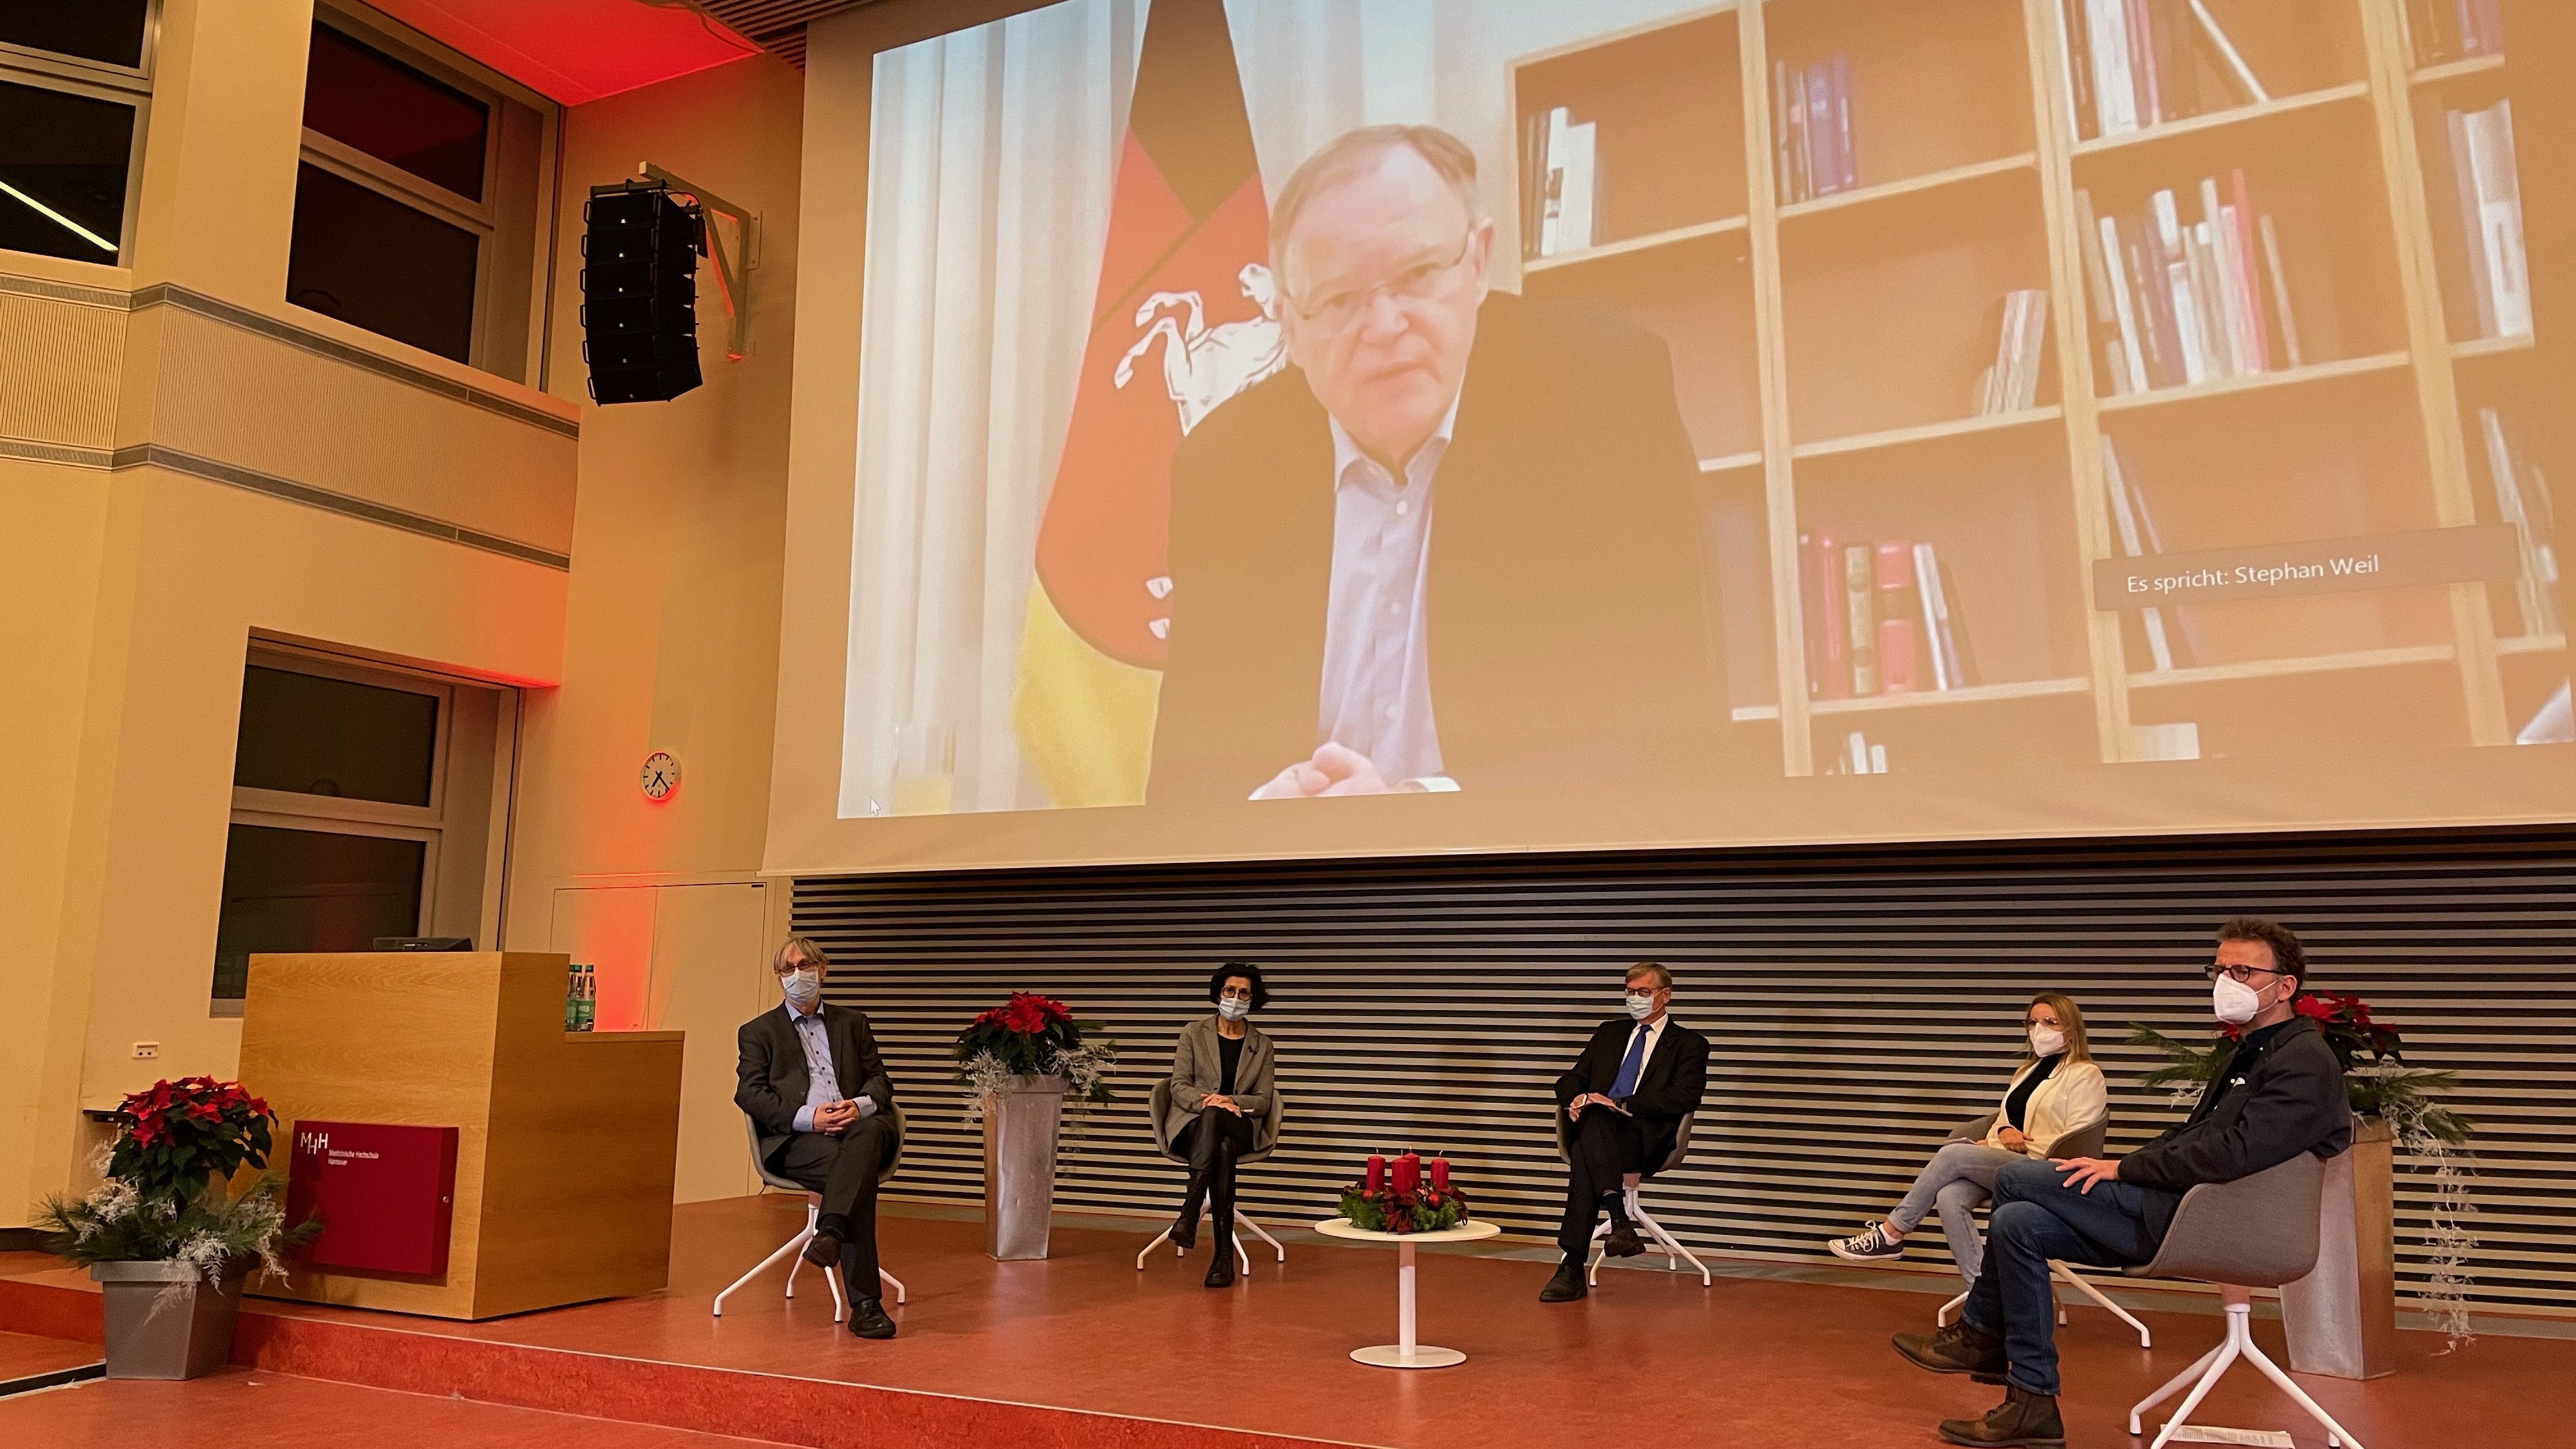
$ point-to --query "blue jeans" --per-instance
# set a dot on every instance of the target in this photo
(2037, 1217)
(1958, 1177)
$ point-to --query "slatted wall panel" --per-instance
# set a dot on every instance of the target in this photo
(1858, 1004)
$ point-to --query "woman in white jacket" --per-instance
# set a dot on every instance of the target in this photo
(2056, 1090)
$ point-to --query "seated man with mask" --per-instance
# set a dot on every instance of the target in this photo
(809, 1077)
(2279, 1094)
(1625, 1098)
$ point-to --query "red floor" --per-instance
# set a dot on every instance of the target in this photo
(276, 1411)
(998, 1352)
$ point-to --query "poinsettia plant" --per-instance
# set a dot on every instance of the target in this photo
(2376, 1076)
(1034, 1036)
(165, 1191)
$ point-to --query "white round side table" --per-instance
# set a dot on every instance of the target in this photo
(1405, 1352)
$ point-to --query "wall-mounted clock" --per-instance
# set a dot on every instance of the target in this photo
(661, 775)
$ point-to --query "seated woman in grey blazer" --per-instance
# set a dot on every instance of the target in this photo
(1221, 1086)
(2056, 1090)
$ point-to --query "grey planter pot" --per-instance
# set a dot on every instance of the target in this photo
(1019, 1166)
(165, 1321)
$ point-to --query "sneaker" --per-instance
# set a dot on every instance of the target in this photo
(1869, 1245)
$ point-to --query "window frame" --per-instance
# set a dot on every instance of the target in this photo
(340, 815)
(74, 75)
(481, 218)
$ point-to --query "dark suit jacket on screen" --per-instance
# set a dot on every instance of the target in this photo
(770, 1079)
(1670, 1084)
(1571, 639)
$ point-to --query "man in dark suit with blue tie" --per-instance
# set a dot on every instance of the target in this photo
(1624, 1099)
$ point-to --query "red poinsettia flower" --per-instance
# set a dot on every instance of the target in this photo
(2313, 1007)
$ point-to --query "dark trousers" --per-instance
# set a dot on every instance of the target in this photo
(1604, 1147)
(844, 1170)
(2037, 1217)
(1210, 1145)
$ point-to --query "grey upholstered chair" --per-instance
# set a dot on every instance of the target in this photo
(2259, 1231)
(794, 1248)
(1159, 1107)
(2082, 1142)
(1665, 1243)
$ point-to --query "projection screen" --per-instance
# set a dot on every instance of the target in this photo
(1274, 428)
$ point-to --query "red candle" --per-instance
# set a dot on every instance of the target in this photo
(1376, 1172)
(1440, 1174)
(1408, 1174)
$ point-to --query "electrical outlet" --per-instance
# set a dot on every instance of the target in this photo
(144, 1049)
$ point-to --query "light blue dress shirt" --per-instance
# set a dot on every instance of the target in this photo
(822, 1086)
(1376, 696)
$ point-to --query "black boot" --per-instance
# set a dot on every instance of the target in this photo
(2024, 1419)
(1185, 1228)
(1220, 1272)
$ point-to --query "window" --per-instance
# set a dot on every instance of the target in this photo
(362, 799)
(415, 205)
(74, 85)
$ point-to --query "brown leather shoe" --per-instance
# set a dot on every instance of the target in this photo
(1957, 1349)
(2023, 1418)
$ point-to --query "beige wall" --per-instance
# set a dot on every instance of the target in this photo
(671, 630)
(129, 593)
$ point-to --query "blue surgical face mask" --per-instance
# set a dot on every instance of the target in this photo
(1641, 1007)
(1232, 1008)
(803, 989)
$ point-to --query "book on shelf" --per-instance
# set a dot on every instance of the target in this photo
(1569, 185)
(2178, 305)
(1858, 756)
(2522, 499)
(2011, 385)
(1860, 615)
(1900, 619)
(2490, 214)
(1881, 618)
(2134, 64)
(1812, 129)
(2448, 30)
(2134, 530)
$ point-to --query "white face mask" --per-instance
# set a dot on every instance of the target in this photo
(1232, 1009)
(1641, 1007)
(2046, 1041)
(803, 988)
(2233, 1001)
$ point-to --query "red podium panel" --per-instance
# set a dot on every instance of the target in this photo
(386, 1194)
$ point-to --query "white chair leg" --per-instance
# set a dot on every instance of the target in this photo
(1242, 1259)
(2076, 1282)
(2174, 1385)
(832, 1285)
(2336, 1434)
(1600, 1250)
(1941, 1315)
(1258, 1232)
(813, 1208)
(2239, 1318)
(1160, 1239)
(885, 1276)
(795, 1244)
(1674, 1252)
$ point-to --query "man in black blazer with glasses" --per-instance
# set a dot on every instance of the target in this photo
(809, 1077)
(1624, 1100)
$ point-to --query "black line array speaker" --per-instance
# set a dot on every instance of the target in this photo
(639, 288)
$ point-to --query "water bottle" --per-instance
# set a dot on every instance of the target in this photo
(589, 1012)
(572, 999)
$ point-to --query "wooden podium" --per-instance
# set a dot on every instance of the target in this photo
(566, 1141)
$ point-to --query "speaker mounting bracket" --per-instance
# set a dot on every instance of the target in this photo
(733, 274)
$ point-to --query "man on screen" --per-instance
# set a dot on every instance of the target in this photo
(1454, 544)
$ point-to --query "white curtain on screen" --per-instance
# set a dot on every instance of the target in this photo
(992, 153)
(991, 157)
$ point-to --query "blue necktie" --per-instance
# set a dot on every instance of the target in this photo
(1629, 1067)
